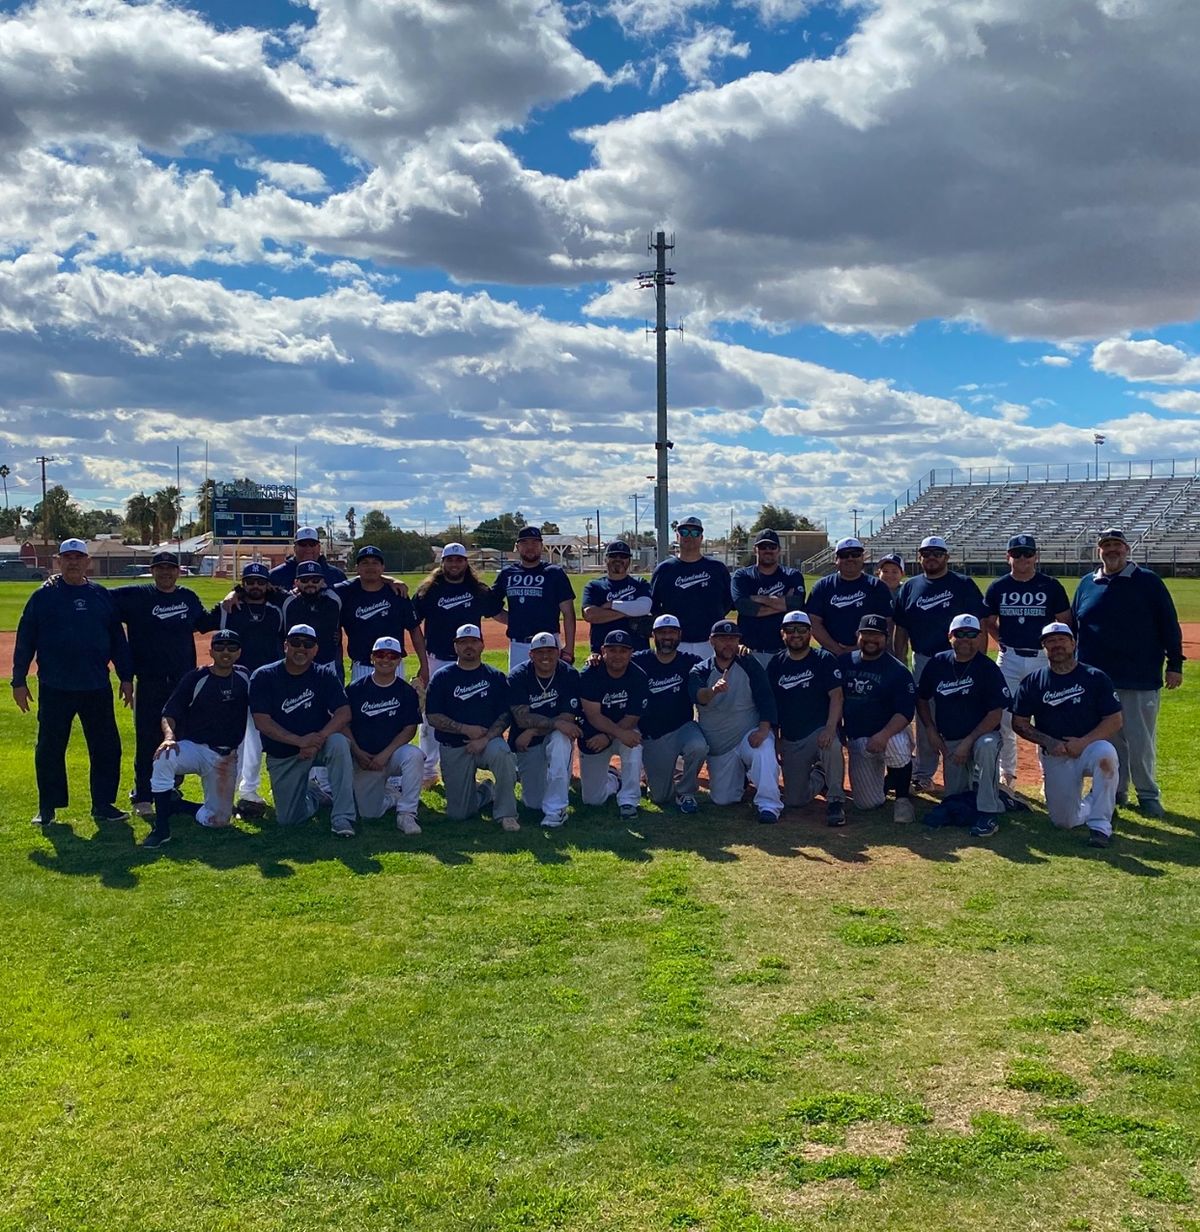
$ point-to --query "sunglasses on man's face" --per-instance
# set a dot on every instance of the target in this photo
(856, 554)
(965, 633)
(690, 532)
(384, 654)
(301, 643)
(1022, 553)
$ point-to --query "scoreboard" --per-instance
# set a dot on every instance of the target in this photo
(254, 511)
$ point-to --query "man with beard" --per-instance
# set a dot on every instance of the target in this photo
(371, 609)
(384, 713)
(617, 601)
(960, 698)
(535, 596)
(313, 603)
(614, 695)
(693, 588)
(545, 702)
(670, 733)
(925, 606)
(879, 703)
(762, 593)
(841, 599)
(467, 705)
(306, 548)
(449, 597)
(807, 683)
(738, 718)
(1129, 629)
(1072, 712)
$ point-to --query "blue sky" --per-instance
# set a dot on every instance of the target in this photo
(401, 236)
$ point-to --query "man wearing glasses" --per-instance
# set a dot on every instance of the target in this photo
(925, 606)
(841, 599)
(302, 711)
(618, 601)
(762, 593)
(1019, 606)
(306, 548)
(692, 587)
(531, 597)
(313, 604)
(960, 699)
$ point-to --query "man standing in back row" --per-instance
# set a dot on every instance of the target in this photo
(693, 588)
(1127, 627)
(535, 596)
(841, 599)
(762, 593)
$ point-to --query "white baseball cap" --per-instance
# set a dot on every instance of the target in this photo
(467, 631)
(387, 643)
(848, 545)
(666, 621)
(72, 545)
(306, 534)
(797, 618)
(934, 543)
(541, 641)
(453, 549)
(1057, 626)
(302, 631)
(965, 621)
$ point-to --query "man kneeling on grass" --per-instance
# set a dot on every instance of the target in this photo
(961, 700)
(203, 723)
(467, 707)
(384, 715)
(302, 712)
(614, 695)
(1071, 712)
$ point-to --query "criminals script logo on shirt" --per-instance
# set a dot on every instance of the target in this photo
(169, 611)
(387, 706)
(301, 701)
(619, 698)
(948, 688)
(852, 600)
(464, 692)
(379, 608)
(668, 684)
(798, 680)
(1060, 697)
(448, 602)
(941, 599)
(696, 579)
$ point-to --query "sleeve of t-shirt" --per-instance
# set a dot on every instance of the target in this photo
(996, 693)
(904, 695)
(639, 691)
(177, 703)
(333, 694)
(798, 591)
(899, 611)
(500, 589)
(1023, 702)
(518, 687)
(817, 602)
(723, 578)
(565, 589)
(1106, 696)
(410, 711)
(739, 585)
(697, 680)
(262, 695)
(974, 598)
(991, 599)
(408, 613)
(1058, 600)
(593, 594)
(502, 694)
(435, 696)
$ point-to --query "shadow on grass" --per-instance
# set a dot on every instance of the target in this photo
(111, 854)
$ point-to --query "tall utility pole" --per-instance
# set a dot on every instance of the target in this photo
(4, 474)
(855, 513)
(659, 279)
(45, 533)
(637, 496)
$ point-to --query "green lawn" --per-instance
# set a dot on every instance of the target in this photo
(686, 1023)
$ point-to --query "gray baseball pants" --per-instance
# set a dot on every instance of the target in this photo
(984, 764)
(928, 753)
(1063, 778)
(798, 758)
(295, 801)
(1136, 742)
(464, 796)
(659, 757)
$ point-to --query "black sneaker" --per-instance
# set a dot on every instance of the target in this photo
(109, 812)
(250, 809)
(835, 814)
(154, 840)
(1097, 838)
(44, 818)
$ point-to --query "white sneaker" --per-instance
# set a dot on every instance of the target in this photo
(903, 812)
(320, 790)
(510, 824)
(552, 821)
(406, 823)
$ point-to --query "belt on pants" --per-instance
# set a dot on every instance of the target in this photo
(1021, 654)
(223, 750)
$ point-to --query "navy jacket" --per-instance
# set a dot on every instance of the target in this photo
(75, 632)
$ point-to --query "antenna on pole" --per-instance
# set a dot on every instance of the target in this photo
(659, 279)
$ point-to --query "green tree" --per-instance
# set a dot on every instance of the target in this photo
(499, 532)
(550, 528)
(375, 524)
(166, 511)
(61, 518)
(204, 506)
(99, 522)
(10, 521)
(780, 517)
(139, 517)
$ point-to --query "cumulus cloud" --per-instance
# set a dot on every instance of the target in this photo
(1146, 359)
(704, 47)
(292, 177)
(1055, 361)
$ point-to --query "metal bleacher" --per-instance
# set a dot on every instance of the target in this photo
(1157, 504)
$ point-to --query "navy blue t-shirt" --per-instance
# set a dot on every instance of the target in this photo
(532, 597)
(299, 704)
(618, 697)
(841, 604)
(160, 627)
(762, 632)
(477, 697)
(874, 690)
(1025, 608)
(599, 590)
(1070, 704)
(546, 698)
(925, 607)
(378, 714)
(367, 615)
(962, 692)
(696, 592)
(669, 705)
(260, 626)
(802, 688)
(209, 709)
(445, 606)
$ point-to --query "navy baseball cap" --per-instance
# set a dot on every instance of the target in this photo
(226, 637)
(1112, 533)
(768, 537)
(873, 624)
(309, 568)
(618, 547)
(692, 522)
(369, 552)
(1028, 542)
(164, 558)
(618, 637)
(891, 558)
(256, 569)
(528, 532)
(723, 628)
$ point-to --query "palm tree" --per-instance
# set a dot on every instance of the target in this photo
(139, 514)
(166, 511)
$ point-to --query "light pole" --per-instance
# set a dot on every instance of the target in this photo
(855, 513)
(637, 496)
(1097, 441)
(4, 474)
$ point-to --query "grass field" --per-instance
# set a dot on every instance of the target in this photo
(685, 1023)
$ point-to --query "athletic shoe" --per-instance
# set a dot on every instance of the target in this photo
(44, 818)
(406, 823)
(143, 808)
(835, 814)
(903, 812)
(552, 821)
(341, 827)
(1097, 838)
(922, 782)
(486, 794)
(687, 804)
(110, 812)
(249, 809)
(318, 789)
(629, 812)
(614, 782)
(986, 824)
(155, 839)
(1151, 808)
(766, 817)
(511, 824)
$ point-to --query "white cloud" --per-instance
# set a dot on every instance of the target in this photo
(1145, 359)
(292, 177)
(648, 17)
(1055, 361)
(1185, 401)
(705, 46)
